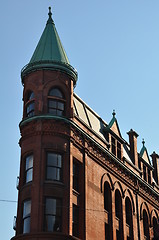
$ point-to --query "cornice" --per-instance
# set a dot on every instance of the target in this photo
(86, 135)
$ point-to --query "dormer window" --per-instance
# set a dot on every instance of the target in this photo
(116, 147)
(56, 102)
(113, 145)
(30, 105)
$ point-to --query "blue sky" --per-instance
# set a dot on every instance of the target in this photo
(114, 45)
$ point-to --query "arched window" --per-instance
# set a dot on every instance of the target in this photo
(119, 215)
(30, 105)
(56, 102)
(146, 225)
(155, 229)
(108, 211)
(129, 219)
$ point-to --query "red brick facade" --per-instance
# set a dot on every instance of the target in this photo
(101, 190)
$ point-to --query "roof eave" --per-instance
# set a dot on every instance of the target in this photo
(50, 65)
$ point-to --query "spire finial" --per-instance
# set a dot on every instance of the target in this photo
(50, 16)
(113, 113)
(50, 13)
(143, 142)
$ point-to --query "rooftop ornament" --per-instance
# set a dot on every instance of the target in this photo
(50, 20)
(143, 142)
(113, 113)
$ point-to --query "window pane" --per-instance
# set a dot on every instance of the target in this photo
(30, 107)
(29, 162)
(54, 165)
(58, 174)
(75, 221)
(52, 159)
(26, 208)
(30, 96)
(59, 113)
(26, 225)
(52, 223)
(50, 206)
(49, 223)
(53, 215)
(51, 173)
(60, 106)
(52, 103)
(52, 111)
(29, 175)
(55, 92)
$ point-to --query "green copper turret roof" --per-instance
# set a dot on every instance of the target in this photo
(50, 53)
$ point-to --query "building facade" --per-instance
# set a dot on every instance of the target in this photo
(79, 179)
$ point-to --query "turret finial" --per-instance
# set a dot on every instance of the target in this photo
(50, 16)
(113, 113)
(143, 142)
(50, 13)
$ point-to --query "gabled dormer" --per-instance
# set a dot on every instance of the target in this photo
(114, 137)
(145, 164)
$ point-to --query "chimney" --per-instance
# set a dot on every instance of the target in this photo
(133, 146)
(155, 161)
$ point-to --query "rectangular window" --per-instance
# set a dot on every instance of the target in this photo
(53, 213)
(144, 173)
(149, 176)
(54, 167)
(118, 150)
(75, 176)
(29, 168)
(26, 216)
(113, 145)
(75, 221)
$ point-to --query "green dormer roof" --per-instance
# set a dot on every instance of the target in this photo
(144, 154)
(50, 53)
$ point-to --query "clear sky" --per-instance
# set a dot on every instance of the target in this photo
(114, 45)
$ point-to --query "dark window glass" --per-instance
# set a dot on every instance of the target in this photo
(75, 221)
(144, 172)
(29, 168)
(54, 167)
(26, 216)
(53, 215)
(113, 145)
(30, 105)
(129, 219)
(155, 229)
(118, 150)
(119, 216)
(56, 102)
(108, 211)
(55, 92)
(146, 225)
(149, 176)
(76, 176)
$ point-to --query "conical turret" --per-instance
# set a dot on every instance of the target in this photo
(49, 53)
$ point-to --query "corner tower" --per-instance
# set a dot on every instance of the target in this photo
(43, 199)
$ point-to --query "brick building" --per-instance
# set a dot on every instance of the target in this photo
(79, 179)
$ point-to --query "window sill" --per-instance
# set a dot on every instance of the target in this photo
(52, 182)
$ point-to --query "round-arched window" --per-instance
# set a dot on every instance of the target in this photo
(30, 104)
(56, 102)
